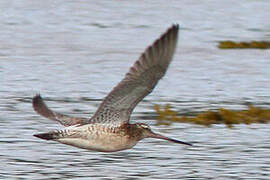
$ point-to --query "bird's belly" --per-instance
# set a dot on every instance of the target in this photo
(108, 143)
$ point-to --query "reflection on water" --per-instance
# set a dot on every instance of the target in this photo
(74, 52)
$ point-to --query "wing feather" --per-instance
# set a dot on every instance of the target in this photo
(41, 108)
(139, 81)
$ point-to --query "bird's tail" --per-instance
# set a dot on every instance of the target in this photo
(70, 132)
(48, 136)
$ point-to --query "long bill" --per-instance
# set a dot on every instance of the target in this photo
(159, 136)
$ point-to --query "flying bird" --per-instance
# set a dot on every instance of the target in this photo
(109, 129)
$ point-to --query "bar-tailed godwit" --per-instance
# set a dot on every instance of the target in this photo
(109, 130)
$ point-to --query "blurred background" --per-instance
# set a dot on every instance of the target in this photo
(75, 52)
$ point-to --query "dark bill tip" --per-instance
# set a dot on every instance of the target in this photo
(158, 136)
(179, 142)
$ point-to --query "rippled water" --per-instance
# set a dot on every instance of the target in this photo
(74, 52)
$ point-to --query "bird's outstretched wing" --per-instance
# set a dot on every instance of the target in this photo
(41, 108)
(139, 81)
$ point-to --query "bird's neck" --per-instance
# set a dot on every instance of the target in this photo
(134, 132)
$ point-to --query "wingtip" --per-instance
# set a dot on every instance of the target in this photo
(172, 30)
(176, 26)
(36, 98)
(40, 107)
(37, 102)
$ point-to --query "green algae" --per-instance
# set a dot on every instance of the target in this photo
(244, 45)
(229, 117)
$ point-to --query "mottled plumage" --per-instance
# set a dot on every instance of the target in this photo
(109, 129)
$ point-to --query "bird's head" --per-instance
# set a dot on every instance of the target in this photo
(148, 133)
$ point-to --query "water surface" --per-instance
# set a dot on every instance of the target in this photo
(74, 52)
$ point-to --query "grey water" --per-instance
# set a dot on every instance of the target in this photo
(74, 52)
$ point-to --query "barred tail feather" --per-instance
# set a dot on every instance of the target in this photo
(57, 134)
(47, 136)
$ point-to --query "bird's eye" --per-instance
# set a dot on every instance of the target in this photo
(145, 126)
